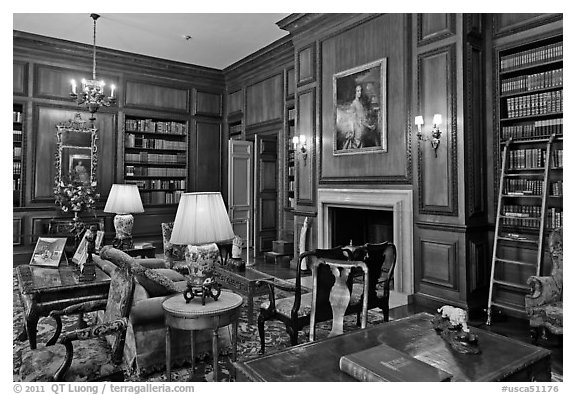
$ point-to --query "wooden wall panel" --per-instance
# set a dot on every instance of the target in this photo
(208, 167)
(433, 27)
(146, 95)
(437, 171)
(264, 101)
(43, 147)
(208, 104)
(306, 125)
(17, 231)
(235, 101)
(306, 65)
(438, 263)
(20, 78)
(54, 82)
(381, 37)
(506, 24)
(290, 82)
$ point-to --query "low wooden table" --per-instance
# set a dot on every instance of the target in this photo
(194, 316)
(43, 289)
(244, 282)
(501, 358)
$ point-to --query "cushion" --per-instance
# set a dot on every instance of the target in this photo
(284, 305)
(92, 360)
(158, 282)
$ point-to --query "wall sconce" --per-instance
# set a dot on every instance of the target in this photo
(436, 132)
(299, 142)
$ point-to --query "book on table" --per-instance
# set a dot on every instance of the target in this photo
(384, 363)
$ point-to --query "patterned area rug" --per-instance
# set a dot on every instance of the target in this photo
(248, 341)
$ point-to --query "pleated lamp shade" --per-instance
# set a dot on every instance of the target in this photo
(124, 199)
(201, 218)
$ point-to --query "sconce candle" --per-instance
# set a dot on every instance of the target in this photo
(436, 132)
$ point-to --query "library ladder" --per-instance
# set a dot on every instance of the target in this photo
(508, 173)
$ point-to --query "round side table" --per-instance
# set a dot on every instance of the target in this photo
(194, 317)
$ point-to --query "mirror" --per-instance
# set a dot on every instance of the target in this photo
(76, 156)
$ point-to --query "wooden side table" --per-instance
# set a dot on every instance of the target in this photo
(194, 317)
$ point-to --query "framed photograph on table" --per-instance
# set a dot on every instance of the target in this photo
(49, 251)
(360, 109)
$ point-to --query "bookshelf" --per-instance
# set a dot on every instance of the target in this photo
(155, 158)
(530, 141)
(17, 153)
(290, 159)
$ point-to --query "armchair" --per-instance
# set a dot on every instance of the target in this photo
(544, 303)
(89, 354)
(174, 254)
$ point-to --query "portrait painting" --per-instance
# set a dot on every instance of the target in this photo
(360, 109)
(79, 169)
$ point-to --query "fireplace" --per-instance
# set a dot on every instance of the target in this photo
(379, 214)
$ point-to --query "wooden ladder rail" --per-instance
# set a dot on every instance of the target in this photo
(544, 205)
(497, 230)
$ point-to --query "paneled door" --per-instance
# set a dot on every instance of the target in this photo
(240, 188)
(265, 192)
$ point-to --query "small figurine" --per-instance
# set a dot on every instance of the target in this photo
(452, 325)
(88, 269)
(457, 316)
(236, 262)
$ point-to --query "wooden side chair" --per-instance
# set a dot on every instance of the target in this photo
(338, 295)
(89, 354)
(294, 311)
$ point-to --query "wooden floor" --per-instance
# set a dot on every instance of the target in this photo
(507, 326)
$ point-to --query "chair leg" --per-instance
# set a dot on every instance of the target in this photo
(386, 312)
(293, 335)
(261, 321)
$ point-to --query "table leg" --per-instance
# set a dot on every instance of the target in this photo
(250, 304)
(192, 349)
(168, 354)
(234, 340)
(31, 324)
(215, 352)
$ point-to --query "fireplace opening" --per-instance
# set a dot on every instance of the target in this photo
(360, 226)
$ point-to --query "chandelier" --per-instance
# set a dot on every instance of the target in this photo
(92, 94)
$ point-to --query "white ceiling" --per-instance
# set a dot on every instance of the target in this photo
(217, 39)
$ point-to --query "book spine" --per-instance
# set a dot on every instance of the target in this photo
(358, 372)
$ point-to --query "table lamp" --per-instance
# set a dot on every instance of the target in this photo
(123, 200)
(201, 218)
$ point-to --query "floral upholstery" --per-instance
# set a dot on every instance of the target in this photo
(175, 254)
(284, 305)
(91, 353)
(544, 304)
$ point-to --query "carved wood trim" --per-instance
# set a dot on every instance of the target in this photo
(452, 208)
(436, 36)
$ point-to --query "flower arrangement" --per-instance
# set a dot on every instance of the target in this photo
(75, 198)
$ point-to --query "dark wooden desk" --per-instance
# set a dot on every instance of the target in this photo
(43, 289)
(501, 359)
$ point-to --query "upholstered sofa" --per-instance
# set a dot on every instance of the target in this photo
(145, 348)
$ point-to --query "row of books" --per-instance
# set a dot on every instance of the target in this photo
(16, 135)
(519, 186)
(146, 157)
(526, 83)
(133, 141)
(159, 184)
(17, 151)
(17, 167)
(148, 125)
(161, 197)
(532, 57)
(529, 216)
(16, 184)
(16, 116)
(235, 129)
(541, 128)
(556, 188)
(535, 104)
(534, 158)
(154, 171)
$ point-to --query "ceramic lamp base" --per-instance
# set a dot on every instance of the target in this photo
(123, 223)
